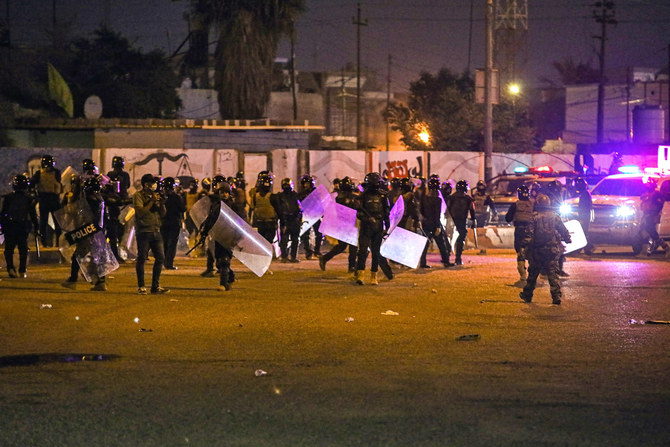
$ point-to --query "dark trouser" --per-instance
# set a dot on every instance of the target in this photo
(435, 233)
(223, 257)
(16, 235)
(170, 237)
(318, 237)
(542, 260)
(146, 241)
(74, 270)
(462, 228)
(520, 234)
(289, 228)
(267, 229)
(370, 237)
(340, 248)
(48, 203)
(114, 231)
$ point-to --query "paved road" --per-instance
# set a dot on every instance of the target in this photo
(339, 371)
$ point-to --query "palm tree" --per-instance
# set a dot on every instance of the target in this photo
(248, 33)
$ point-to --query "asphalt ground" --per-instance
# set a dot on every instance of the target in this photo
(119, 369)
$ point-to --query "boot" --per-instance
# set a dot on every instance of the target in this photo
(373, 279)
(358, 278)
(521, 267)
(644, 252)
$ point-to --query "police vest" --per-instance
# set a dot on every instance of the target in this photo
(459, 205)
(480, 200)
(48, 182)
(524, 212)
(263, 209)
(374, 205)
(545, 229)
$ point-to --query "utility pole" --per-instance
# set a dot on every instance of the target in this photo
(292, 73)
(488, 94)
(388, 103)
(358, 22)
(604, 14)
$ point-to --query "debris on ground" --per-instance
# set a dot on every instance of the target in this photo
(145, 330)
(657, 322)
(634, 321)
(390, 312)
(434, 290)
(46, 306)
(260, 373)
(469, 337)
(349, 320)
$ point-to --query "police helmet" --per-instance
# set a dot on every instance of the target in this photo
(347, 184)
(307, 181)
(20, 183)
(446, 188)
(223, 187)
(89, 166)
(462, 185)
(217, 180)
(522, 192)
(406, 184)
(48, 161)
(372, 181)
(543, 201)
(265, 182)
(580, 184)
(92, 184)
(434, 183)
(118, 162)
(287, 184)
(396, 183)
(169, 183)
(239, 180)
(206, 183)
(481, 186)
(336, 184)
(148, 179)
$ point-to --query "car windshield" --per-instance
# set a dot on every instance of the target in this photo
(507, 186)
(629, 187)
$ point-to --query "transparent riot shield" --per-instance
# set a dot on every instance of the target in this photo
(66, 178)
(576, 234)
(404, 246)
(234, 233)
(128, 246)
(81, 228)
(339, 222)
(396, 214)
(443, 210)
(313, 207)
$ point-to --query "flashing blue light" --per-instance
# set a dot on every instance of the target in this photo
(629, 169)
(520, 169)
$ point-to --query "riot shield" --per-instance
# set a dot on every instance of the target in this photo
(128, 246)
(234, 233)
(396, 214)
(443, 210)
(81, 228)
(66, 178)
(339, 222)
(313, 207)
(404, 246)
(576, 234)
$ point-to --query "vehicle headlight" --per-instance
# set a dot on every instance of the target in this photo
(565, 209)
(625, 211)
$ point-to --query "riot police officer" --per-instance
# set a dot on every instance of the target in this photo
(410, 218)
(117, 174)
(373, 214)
(307, 185)
(651, 205)
(240, 203)
(175, 207)
(347, 196)
(543, 247)
(289, 211)
(584, 210)
(18, 212)
(521, 213)
(263, 214)
(46, 182)
(459, 205)
(485, 210)
(89, 169)
(431, 210)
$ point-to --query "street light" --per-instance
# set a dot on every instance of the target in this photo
(424, 137)
(514, 89)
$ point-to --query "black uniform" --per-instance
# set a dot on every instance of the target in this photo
(18, 212)
(222, 255)
(288, 209)
(47, 183)
(112, 225)
(373, 214)
(459, 205)
(431, 210)
(543, 249)
(175, 207)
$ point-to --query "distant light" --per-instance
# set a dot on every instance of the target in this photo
(625, 211)
(424, 137)
(514, 89)
(520, 169)
(565, 209)
(543, 169)
(629, 169)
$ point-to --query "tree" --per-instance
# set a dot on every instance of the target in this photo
(130, 83)
(248, 33)
(573, 73)
(444, 104)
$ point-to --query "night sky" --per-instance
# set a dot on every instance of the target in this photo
(422, 35)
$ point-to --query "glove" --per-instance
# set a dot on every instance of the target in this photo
(568, 240)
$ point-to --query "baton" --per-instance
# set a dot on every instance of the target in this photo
(474, 230)
(37, 247)
(197, 244)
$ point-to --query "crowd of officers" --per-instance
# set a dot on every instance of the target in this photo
(161, 217)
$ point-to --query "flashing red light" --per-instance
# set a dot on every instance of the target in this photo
(543, 169)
